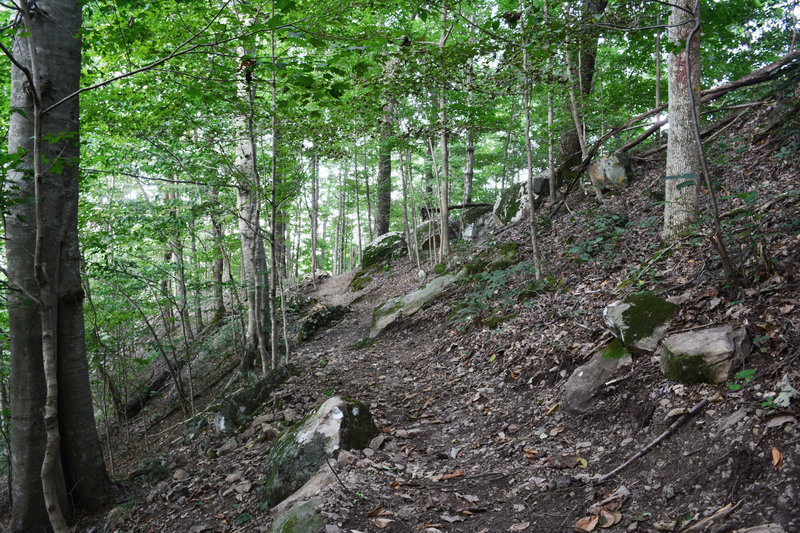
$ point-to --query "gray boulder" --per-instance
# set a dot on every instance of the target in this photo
(608, 173)
(589, 378)
(639, 321)
(408, 304)
(477, 223)
(384, 247)
(704, 356)
(513, 206)
(338, 424)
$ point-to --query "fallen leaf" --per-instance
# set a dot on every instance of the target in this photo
(382, 522)
(530, 453)
(455, 474)
(778, 421)
(587, 523)
(521, 526)
(786, 309)
(777, 458)
(558, 429)
(582, 463)
(609, 518)
(379, 511)
(451, 518)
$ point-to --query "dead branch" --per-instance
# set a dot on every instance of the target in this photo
(669, 431)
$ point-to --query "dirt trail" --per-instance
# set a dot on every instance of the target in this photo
(469, 446)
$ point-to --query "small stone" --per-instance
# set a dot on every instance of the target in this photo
(180, 475)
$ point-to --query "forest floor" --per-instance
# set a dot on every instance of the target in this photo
(474, 436)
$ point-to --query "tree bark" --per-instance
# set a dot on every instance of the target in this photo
(248, 206)
(444, 188)
(683, 157)
(75, 464)
(384, 188)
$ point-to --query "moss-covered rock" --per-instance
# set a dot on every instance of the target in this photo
(640, 321)
(513, 206)
(498, 257)
(360, 280)
(704, 356)
(407, 305)
(386, 246)
(323, 317)
(614, 350)
(302, 518)
(439, 269)
(232, 411)
(338, 424)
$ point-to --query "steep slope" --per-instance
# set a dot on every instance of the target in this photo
(468, 392)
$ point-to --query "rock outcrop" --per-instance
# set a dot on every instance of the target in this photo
(513, 206)
(477, 223)
(408, 304)
(386, 246)
(608, 173)
(322, 317)
(589, 378)
(232, 411)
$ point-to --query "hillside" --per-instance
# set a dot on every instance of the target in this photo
(468, 392)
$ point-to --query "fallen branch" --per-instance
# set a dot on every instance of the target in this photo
(669, 431)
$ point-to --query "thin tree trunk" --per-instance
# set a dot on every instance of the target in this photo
(358, 198)
(528, 149)
(366, 188)
(444, 189)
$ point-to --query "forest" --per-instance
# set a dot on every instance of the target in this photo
(179, 176)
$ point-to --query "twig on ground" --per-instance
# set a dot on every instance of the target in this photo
(669, 431)
(327, 460)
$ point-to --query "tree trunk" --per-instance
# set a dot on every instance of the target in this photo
(75, 464)
(528, 149)
(384, 174)
(366, 189)
(217, 264)
(314, 218)
(444, 189)
(569, 146)
(683, 157)
(248, 208)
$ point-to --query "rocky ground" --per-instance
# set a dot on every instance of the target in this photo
(468, 392)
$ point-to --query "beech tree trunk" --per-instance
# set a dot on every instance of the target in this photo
(683, 157)
(46, 327)
(248, 206)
